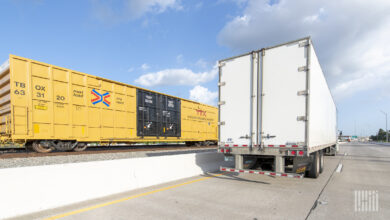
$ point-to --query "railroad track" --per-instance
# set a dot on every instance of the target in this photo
(23, 153)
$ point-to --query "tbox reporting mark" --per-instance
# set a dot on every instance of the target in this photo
(100, 98)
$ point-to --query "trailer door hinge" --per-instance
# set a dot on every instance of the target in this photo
(304, 44)
(221, 83)
(302, 118)
(303, 68)
(221, 103)
(303, 92)
(221, 123)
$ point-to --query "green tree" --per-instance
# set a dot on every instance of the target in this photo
(381, 135)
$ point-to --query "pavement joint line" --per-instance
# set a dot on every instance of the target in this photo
(322, 190)
(130, 197)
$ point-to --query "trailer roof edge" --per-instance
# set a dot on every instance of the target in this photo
(265, 48)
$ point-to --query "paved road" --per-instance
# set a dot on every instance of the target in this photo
(248, 196)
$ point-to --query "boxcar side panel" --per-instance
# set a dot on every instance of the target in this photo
(50, 102)
(199, 122)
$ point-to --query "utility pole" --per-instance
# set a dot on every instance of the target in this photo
(387, 133)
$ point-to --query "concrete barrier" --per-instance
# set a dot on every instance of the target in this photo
(31, 189)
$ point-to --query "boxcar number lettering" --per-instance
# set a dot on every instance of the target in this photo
(40, 95)
(40, 88)
(20, 91)
(60, 98)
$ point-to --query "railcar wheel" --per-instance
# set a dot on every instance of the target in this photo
(80, 147)
(41, 147)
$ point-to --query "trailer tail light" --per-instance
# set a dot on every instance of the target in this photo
(300, 153)
(293, 152)
(224, 150)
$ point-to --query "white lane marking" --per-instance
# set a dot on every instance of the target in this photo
(339, 167)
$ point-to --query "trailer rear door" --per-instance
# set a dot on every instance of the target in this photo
(284, 98)
(237, 111)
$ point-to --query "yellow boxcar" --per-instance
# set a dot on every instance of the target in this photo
(49, 107)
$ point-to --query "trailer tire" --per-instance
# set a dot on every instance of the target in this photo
(321, 161)
(315, 165)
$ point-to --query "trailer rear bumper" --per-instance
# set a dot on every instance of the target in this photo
(268, 173)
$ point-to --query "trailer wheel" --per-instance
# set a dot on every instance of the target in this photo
(321, 161)
(80, 147)
(41, 147)
(315, 165)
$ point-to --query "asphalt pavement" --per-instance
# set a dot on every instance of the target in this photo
(359, 169)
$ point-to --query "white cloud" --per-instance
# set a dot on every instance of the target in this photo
(145, 66)
(131, 69)
(350, 37)
(179, 58)
(176, 77)
(314, 17)
(203, 95)
(199, 5)
(127, 10)
(201, 63)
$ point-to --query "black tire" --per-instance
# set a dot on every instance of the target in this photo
(321, 161)
(315, 165)
(80, 147)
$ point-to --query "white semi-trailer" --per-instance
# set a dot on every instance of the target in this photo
(276, 113)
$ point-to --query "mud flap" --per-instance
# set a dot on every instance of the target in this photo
(301, 164)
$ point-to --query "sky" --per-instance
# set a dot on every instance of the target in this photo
(172, 46)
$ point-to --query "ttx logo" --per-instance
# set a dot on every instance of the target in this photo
(100, 98)
(200, 112)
